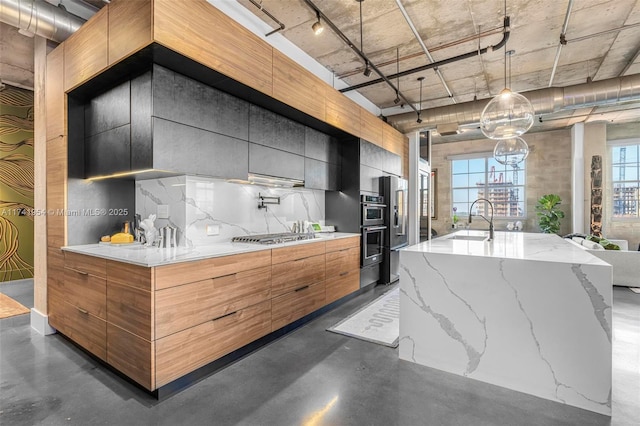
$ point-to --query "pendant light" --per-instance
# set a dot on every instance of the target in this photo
(511, 151)
(509, 114)
(419, 120)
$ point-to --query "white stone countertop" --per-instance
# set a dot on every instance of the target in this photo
(153, 256)
(508, 245)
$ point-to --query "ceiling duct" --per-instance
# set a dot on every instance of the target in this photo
(448, 129)
(544, 101)
(40, 18)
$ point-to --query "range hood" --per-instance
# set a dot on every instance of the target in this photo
(270, 181)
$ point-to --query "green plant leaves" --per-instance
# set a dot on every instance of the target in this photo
(549, 214)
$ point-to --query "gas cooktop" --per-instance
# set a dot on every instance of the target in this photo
(272, 238)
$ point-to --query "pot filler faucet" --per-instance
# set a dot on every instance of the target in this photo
(490, 221)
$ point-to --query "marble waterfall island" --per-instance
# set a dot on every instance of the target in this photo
(528, 312)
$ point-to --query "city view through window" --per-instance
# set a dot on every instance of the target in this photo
(484, 177)
(625, 173)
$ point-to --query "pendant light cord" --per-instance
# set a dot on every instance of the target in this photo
(505, 49)
(361, 49)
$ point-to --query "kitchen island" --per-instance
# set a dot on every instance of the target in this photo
(528, 312)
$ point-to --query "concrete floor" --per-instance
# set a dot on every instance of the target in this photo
(308, 377)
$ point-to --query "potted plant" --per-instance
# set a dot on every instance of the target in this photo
(549, 214)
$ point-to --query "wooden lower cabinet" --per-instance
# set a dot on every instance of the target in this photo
(157, 324)
(185, 351)
(292, 306)
(85, 329)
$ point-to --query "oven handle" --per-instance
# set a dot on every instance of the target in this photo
(374, 228)
(374, 205)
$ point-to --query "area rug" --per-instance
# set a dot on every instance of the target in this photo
(10, 308)
(634, 289)
(377, 322)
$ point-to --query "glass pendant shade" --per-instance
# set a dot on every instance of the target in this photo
(511, 151)
(506, 116)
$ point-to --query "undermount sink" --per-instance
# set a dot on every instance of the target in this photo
(470, 237)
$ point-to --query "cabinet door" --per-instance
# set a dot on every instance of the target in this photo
(320, 146)
(275, 131)
(342, 261)
(291, 276)
(85, 291)
(201, 152)
(86, 51)
(371, 155)
(295, 305)
(274, 162)
(79, 325)
(129, 28)
(321, 175)
(178, 308)
(132, 355)
(187, 350)
(346, 283)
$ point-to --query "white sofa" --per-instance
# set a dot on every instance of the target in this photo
(626, 264)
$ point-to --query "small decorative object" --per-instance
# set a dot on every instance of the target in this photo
(150, 232)
(518, 226)
(510, 226)
(549, 214)
(596, 196)
(455, 216)
(608, 245)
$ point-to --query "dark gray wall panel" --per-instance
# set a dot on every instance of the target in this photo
(183, 100)
(275, 131)
(190, 150)
(108, 152)
(98, 208)
(141, 154)
(320, 146)
(369, 179)
(321, 175)
(108, 110)
(392, 163)
(273, 162)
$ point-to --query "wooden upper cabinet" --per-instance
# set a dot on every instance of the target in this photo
(54, 94)
(341, 111)
(297, 87)
(371, 127)
(197, 30)
(393, 140)
(85, 52)
(129, 27)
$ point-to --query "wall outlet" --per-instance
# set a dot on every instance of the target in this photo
(213, 229)
(163, 211)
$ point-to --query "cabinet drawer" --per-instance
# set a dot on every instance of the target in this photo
(293, 306)
(130, 309)
(84, 291)
(343, 243)
(131, 355)
(345, 283)
(286, 254)
(130, 275)
(187, 350)
(286, 277)
(190, 272)
(77, 324)
(339, 262)
(181, 307)
(89, 264)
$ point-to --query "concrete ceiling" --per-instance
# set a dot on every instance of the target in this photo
(603, 41)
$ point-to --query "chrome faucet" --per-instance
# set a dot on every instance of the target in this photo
(491, 234)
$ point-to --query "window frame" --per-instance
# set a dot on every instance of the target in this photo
(610, 165)
(486, 156)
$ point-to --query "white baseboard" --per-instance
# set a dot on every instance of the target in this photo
(40, 323)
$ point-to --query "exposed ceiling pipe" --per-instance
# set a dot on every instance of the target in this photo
(477, 52)
(360, 54)
(544, 101)
(414, 30)
(273, 18)
(40, 18)
(563, 41)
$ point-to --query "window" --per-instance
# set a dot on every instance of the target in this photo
(484, 177)
(625, 177)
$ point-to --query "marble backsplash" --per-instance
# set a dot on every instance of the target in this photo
(197, 202)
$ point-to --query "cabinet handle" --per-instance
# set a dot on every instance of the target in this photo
(225, 315)
(82, 272)
(301, 288)
(84, 311)
(344, 273)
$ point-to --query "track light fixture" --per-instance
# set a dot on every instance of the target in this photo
(317, 27)
(419, 120)
(367, 70)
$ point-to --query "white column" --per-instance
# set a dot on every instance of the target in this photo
(414, 213)
(577, 178)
